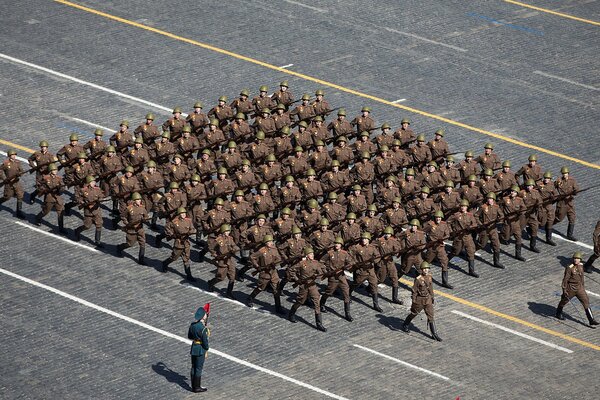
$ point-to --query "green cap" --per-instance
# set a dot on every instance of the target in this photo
(110, 149)
(324, 222)
(181, 210)
(420, 138)
(150, 116)
(238, 193)
(73, 137)
(491, 195)
(177, 110)
(52, 167)
(263, 88)
(365, 109)
(341, 111)
(240, 116)
(332, 196)
(289, 178)
(472, 178)
(424, 265)
(303, 124)
(151, 164)
(564, 170)
(388, 230)
(338, 240)
(296, 230)
(187, 129)
(506, 164)
(440, 132)
(222, 170)
(308, 250)
(578, 254)
(263, 186)
(286, 211)
(136, 196)
(532, 157)
(515, 188)
(405, 121)
(489, 146)
(173, 185)
(548, 174)
(267, 238)
(468, 153)
(245, 92)
(129, 168)
(464, 202)
(530, 182)
(214, 122)
(198, 104)
(219, 201)
(284, 83)
(195, 178)
(372, 207)
(89, 179)
(43, 143)
(223, 99)
(271, 157)
(82, 155)
(306, 96)
(438, 214)
(319, 92)
(365, 235)
(488, 172)
(124, 122)
(415, 222)
(351, 216)
(139, 140)
(260, 135)
(312, 203)
(225, 228)
(231, 145)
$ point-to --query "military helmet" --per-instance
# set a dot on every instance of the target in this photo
(260, 135)
(303, 124)
(342, 139)
(240, 116)
(195, 178)
(151, 164)
(372, 207)
(338, 240)
(405, 121)
(267, 238)
(440, 132)
(468, 153)
(449, 184)
(424, 265)
(472, 178)
(384, 148)
(187, 129)
(52, 167)
(266, 110)
(298, 149)
(332, 196)
(286, 211)
(225, 228)
(43, 143)
(263, 186)
(305, 96)
(98, 132)
(82, 155)
(198, 104)
(271, 157)
(124, 122)
(489, 146)
(341, 111)
(286, 131)
(365, 235)
(351, 215)
(308, 250)
(396, 142)
(139, 140)
(280, 106)
(238, 193)
(319, 92)
(89, 179)
(223, 99)
(530, 182)
(312, 203)
(564, 170)
(415, 222)
(318, 118)
(464, 202)
(388, 230)
(365, 109)
(206, 151)
(438, 214)
(391, 178)
(110, 149)
(450, 158)
(506, 164)
(166, 134)
(532, 157)
(578, 254)
(324, 222)
(515, 188)
(320, 143)
(356, 187)
(181, 210)
(385, 125)
(11, 152)
(289, 178)
(245, 161)
(263, 88)
(410, 172)
(335, 163)
(178, 156)
(296, 230)
(129, 168)
(150, 116)
(136, 196)
(548, 175)
(311, 172)
(420, 138)
(397, 200)
(488, 172)
(173, 185)
(214, 122)
(366, 155)
(73, 137)
(177, 110)
(231, 145)
(491, 195)
(433, 164)
(222, 170)
(425, 189)
(284, 83)
(219, 201)
(245, 92)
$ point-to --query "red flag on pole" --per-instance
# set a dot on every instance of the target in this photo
(207, 308)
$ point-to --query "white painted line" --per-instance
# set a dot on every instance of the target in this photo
(81, 81)
(505, 329)
(585, 245)
(398, 101)
(593, 294)
(306, 6)
(287, 66)
(18, 158)
(426, 40)
(83, 121)
(33, 228)
(403, 362)
(213, 294)
(169, 334)
(558, 78)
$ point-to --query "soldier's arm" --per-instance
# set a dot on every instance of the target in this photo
(566, 278)
(204, 336)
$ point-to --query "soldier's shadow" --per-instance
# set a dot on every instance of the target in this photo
(393, 323)
(564, 261)
(546, 310)
(171, 376)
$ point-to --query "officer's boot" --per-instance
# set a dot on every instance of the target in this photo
(141, 254)
(445, 280)
(211, 284)
(434, 334)
(518, 255)
(78, 233)
(199, 387)
(188, 272)
(395, 298)
(165, 264)
(323, 301)
(587, 267)
(19, 213)
(497, 263)
(407, 321)
(98, 239)
(278, 308)
(590, 317)
(376, 307)
(472, 269)
(242, 272)
(32, 196)
(292, 314)
(282, 284)
(319, 323)
(229, 293)
(153, 225)
(38, 219)
(570, 229)
(532, 245)
(158, 240)
(250, 300)
(559, 313)
(61, 224)
(193, 382)
(549, 237)
(347, 312)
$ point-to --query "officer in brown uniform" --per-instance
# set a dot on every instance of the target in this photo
(96, 148)
(438, 146)
(283, 95)
(340, 127)
(364, 122)
(221, 112)
(332, 210)
(122, 139)
(364, 173)
(363, 143)
(283, 143)
(89, 201)
(438, 230)
(262, 100)
(336, 179)
(174, 124)
(488, 183)
(264, 122)
(462, 222)
(133, 220)
(409, 186)
(231, 159)
(404, 133)
(162, 151)
(67, 155)
(318, 130)
(471, 191)
(187, 145)
(147, 131)
(513, 207)
(320, 105)
(433, 178)
(450, 171)
(342, 152)
(488, 159)
(422, 299)
(349, 230)
(533, 202)
(40, 160)
(336, 261)
(281, 118)
(138, 156)
(596, 238)
(567, 188)
(547, 212)
(573, 286)
(396, 215)
(297, 164)
(421, 153)
(421, 207)
(489, 216)
(305, 111)
(213, 137)
(311, 187)
(306, 273)
(365, 254)
(371, 222)
(242, 104)
(52, 187)
(414, 243)
(265, 261)
(223, 253)
(357, 203)
(197, 120)
(531, 170)
(505, 178)
(468, 166)
(323, 239)
(449, 200)
(387, 194)
(389, 246)
(180, 229)
(152, 181)
(239, 129)
(284, 224)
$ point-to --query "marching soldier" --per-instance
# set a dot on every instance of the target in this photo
(490, 215)
(242, 104)
(336, 261)
(462, 222)
(221, 113)
(10, 173)
(265, 261)
(488, 183)
(533, 202)
(263, 202)
(212, 138)
(239, 129)
(438, 146)
(513, 207)
(567, 188)
(302, 137)
(450, 171)
(213, 221)
(311, 216)
(433, 178)
(68, 154)
(283, 143)
(306, 273)
(321, 105)
(281, 118)
(396, 216)
(349, 230)
(318, 130)
(530, 170)
(292, 250)
(364, 122)
(357, 203)
(196, 193)
(363, 172)
(371, 222)
(437, 231)
(284, 224)
(110, 166)
(573, 286)
(52, 187)
(421, 153)
(197, 119)
(122, 139)
(332, 210)
(365, 144)
(489, 159)
(422, 299)
(231, 159)
(265, 123)
(471, 192)
(342, 152)
(162, 152)
(223, 254)
(335, 180)
(96, 148)
(311, 187)
(421, 207)
(505, 178)
(174, 125)
(180, 229)
(205, 165)
(262, 100)
(128, 184)
(222, 186)
(404, 133)
(468, 166)
(89, 200)
(133, 218)
(152, 181)
(386, 138)
(148, 131)
(414, 243)
(340, 127)
(187, 145)
(323, 239)
(547, 213)
(304, 112)
(388, 246)
(283, 95)
(40, 160)
(365, 254)
(138, 156)
(198, 333)
(449, 200)
(389, 192)
(409, 186)
(596, 238)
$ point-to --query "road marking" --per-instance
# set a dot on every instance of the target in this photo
(554, 346)
(508, 25)
(585, 245)
(565, 80)
(287, 66)
(403, 362)
(326, 83)
(518, 3)
(398, 101)
(593, 294)
(213, 294)
(306, 6)
(16, 146)
(511, 318)
(83, 121)
(56, 236)
(169, 334)
(424, 39)
(18, 158)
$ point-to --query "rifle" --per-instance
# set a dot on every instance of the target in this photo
(40, 166)
(561, 197)
(328, 112)
(69, 163)
(13, 179)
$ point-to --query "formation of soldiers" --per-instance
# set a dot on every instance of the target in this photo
(298, 193)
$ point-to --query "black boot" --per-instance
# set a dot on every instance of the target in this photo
(570, 230)
(78, 233)
(242, 272)
(198, 385)
(445, 280)
(497, 263)
(32, 196)
(532, 245)
(158, 240)
(165, 264)
(115, 224)
(115, 208)
(376, 307)
(98, 239)
(590, 317)
(19, 213)
(282, 284)
(141, 254)
(434, 334)
(587, 267)
(323, 301)
(38, 219)
(549, 238)
(188, 272)
(518, 255)
(250, 300)
(407, 321)
(319, 323)
(153, 225)
(292, 314)
(68, 208)
(61, 224)
(211, 284)
(395, 298)
(559, 313)
(347, 312)
(278, 308)
(229, 293)
(472, 269)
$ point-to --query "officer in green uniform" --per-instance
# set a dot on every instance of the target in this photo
(198, 333)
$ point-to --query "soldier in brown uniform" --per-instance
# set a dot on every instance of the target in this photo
(422, 299)
(336, 261)
(264, 122)
(187, 145)
(89, 201)
(174, 199)
(205, 165)
(222, 185)
(302, 137)
(138, 156)
(342, 152)
(567, 188)
(533, 202)
(128, 184)
(177, 171)
(488, 183)
(387, 194)
(409, 186)
(385, 138)
(175, 124)
(262, 100)
(505, 178)
(462, 222)
(213, 138)
(242, 104)
(239, 129)
(547, 212)
(311, 216)
(289, 195)
(389, 246)
(51, 187)
(152, 181)
(438, 146)
(222, 113)
(336, 179)
(297, 164)
(223, 253)
(265, 260)
(490, 215)
(80, 172)
(471, 191)
(513, 208)
(284, 224)
(197, 120)
(283, 95)
(318, 131)
(363, 143)
(305, 111)
(281, 118)
(133, 220)
(438, 230)
(231, 159)
(371, 222)
(96, 148)
(349, 230)
(195, 193)
(323, 239)
(245, 178)
(468, 166)
(400, 157)
(383, 162)
(263, 202)
(40, 160)
(306, 273)
(292, 250)
(162, 151)
(110, 166)
(596, 238)
(433, 178)
(320, 105)
(450, 171)
(147, 131)
(122, 139)
(67, 156)
(241, 211)
(259, 149)
(396, 215)
(311, 187)
(333, 210)
(340, 127)
(404, 133)
(531, 170)
(488, 159)
(364, 173)
(414, 243)
(421, 207)
(212, 222)
(283, 143)
(357, 202)
(364, 122)
(449, 200)
(365, 254)
(180, 229)
(421, 153)
(573, 286)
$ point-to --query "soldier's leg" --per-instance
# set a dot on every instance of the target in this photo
(414, 310)
(585, 301)
(443, 259)
(87, 224)
(561, 212)
(533, 225)
(314, 295)
(220, 275)
(505, 233)
(300, 299)
(332, 285)
(186, 259)
(516, 231)
(483, 239)
(571, 216)
(360, 278)
(231, 277)
(549, 226)
(431, 323)
(470, 250)
(262, 285)
(59, 206)
(175, 254)
(130, 239)
(587, 267)
(46, 207)
(496, 248)
(97, 219)
(19, 194)
(372, 278)
(274, 282)
(345, 288)
(564, 299)
(457, 246)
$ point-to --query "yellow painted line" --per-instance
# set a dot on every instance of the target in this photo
(587, 21)
(326, 83)
(511, 318)
(16, 146)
